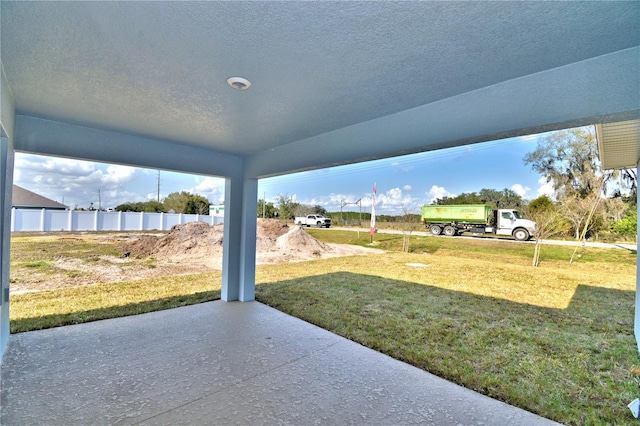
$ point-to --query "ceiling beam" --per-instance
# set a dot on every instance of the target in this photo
(46, 137)
(7, 108)
(601, 89)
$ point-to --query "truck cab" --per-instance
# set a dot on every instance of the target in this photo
(313, 220)
(510, 222)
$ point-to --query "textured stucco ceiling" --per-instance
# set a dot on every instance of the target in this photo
(158, 69)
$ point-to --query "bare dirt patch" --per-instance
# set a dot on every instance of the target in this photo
(187, 249)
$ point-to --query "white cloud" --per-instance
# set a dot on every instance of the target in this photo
(395, 201)
(407, 188)
(546, 188)
(437, 192)
(211, 188)
(117, 175)
(74, 182)
(520, 190)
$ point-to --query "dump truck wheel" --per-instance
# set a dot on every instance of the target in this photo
(435, 230)
(449, 231)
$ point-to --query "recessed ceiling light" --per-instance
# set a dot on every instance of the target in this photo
(239, 83)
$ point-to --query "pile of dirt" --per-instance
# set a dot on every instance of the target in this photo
(276, 243)
(268, 232)
(297, 240)
(199, 240)
(195, 239)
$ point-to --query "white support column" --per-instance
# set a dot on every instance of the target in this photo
(636, 326)
(6, 188)
(239, 249)
(7, 138)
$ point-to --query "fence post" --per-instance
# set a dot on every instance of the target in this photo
(142, 221)
(180, 218)
(13, 219)
(95, 220)
(162, 221)
(119, 221)
(70, 221)
(43, 212)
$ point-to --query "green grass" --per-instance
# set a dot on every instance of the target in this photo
(481, 245)
(35, 311)
(38, 247)
(41, 266)
(555, 340)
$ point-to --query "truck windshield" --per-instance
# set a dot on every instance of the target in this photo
(516, 213)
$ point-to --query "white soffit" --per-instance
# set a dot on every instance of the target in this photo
(619, 144)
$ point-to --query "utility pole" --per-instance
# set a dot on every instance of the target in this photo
(99, 201)
(264, 204)
(158, 185)
(344, 202)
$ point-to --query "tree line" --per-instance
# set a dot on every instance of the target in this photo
(588, 201)
(176, 202)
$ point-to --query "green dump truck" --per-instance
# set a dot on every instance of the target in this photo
(477, 219)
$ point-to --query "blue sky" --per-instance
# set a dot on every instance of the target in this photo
(402, 182)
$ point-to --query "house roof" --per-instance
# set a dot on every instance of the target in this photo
(144, 83)
(23, 198)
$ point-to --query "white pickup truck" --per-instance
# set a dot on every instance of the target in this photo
(313, 220)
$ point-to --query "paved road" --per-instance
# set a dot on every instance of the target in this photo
(549, 242)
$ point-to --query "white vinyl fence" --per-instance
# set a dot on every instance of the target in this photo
(72, 220)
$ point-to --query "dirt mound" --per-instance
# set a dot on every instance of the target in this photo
(276, 242)
(268, 232)
(196, 239)
(298, 240)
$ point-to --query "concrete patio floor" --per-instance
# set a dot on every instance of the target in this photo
(223, 363)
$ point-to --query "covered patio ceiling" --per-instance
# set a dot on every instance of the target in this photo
(332, 82)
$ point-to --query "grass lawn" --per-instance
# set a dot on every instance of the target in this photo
(556, 340)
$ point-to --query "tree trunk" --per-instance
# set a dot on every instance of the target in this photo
(536, 254)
